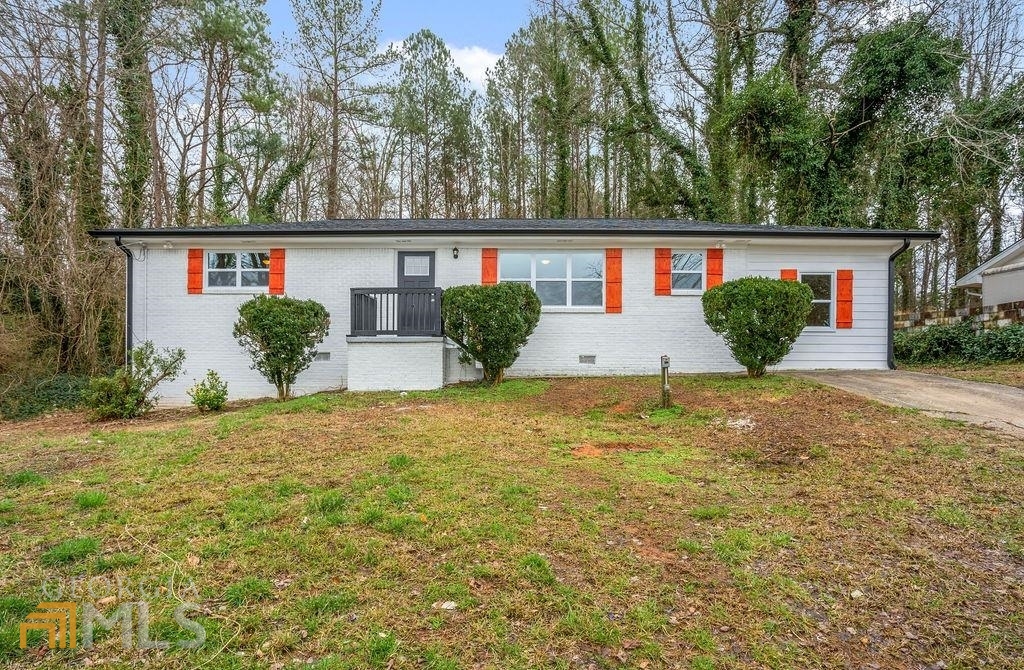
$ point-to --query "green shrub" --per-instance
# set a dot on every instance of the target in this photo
(936, 343)
(128, 393)
(280, 334)
(490, 323)
(39, 396)
(209, 394)
(999, 344)
(759, 318)
(960, 343)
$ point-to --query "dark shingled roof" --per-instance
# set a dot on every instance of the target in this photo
(352, 227)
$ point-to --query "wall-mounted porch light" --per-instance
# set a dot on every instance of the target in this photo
(455, 252)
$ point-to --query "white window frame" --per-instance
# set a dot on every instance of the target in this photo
(237, 288)
(703, 272)
(568, 278)
(831, 302)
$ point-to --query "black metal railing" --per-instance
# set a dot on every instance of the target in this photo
(396, 311)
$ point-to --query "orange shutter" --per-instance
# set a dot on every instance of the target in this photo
(788, 275)
(715, 267)
(844, 298)
(662, 272)
(489, 266)
(277, 271)
(613, 281)
(195, 270)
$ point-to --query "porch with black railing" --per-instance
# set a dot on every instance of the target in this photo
(396, 311)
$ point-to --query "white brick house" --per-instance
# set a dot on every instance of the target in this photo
(617, 293)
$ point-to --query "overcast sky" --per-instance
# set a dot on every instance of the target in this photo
(475, 30)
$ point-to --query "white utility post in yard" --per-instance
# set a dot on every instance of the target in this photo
(666, 390)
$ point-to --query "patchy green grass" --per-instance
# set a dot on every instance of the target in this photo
(91, 499)
(69, 551)
(248, 590)
(538, 524)
(709, 512)
(25, 478)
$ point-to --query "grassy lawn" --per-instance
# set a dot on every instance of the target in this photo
(563, 524)
(1011, 374)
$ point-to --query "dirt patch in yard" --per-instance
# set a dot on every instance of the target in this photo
(589, 450)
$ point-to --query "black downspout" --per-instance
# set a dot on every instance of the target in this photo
(892, 301)
(128, 293)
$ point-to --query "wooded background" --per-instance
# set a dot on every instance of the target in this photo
(155, 113)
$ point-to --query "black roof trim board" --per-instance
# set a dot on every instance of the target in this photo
(589, 227)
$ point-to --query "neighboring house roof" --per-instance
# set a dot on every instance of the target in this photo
(1012, 253)
(352, 227)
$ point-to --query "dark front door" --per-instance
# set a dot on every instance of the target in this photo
(418, 312)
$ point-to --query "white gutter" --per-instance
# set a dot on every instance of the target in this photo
(1004, 268)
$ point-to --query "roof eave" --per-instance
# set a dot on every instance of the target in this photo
(840, 233)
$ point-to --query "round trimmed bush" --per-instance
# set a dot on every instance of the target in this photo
(490, 323)
(281, 335)
(759, 318)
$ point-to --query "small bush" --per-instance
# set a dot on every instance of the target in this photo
(959, 343)
(490, 323)
(128, 393)
(1000, 344)
(280, 334)
(759, 318)
(209, 394)
(39, 396)
(935, 343)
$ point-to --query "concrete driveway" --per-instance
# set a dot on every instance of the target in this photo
(990, 405)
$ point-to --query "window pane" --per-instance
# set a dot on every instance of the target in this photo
(515, 266)
(687, 261)
(220, 261)
(821, 314)
(255, 260)
(821, 285)
(551, 266)
(551, 292)
(588, 266)
(221, 278)
(417, 266)
(684, 281)
(255, 278)
(587, 293)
